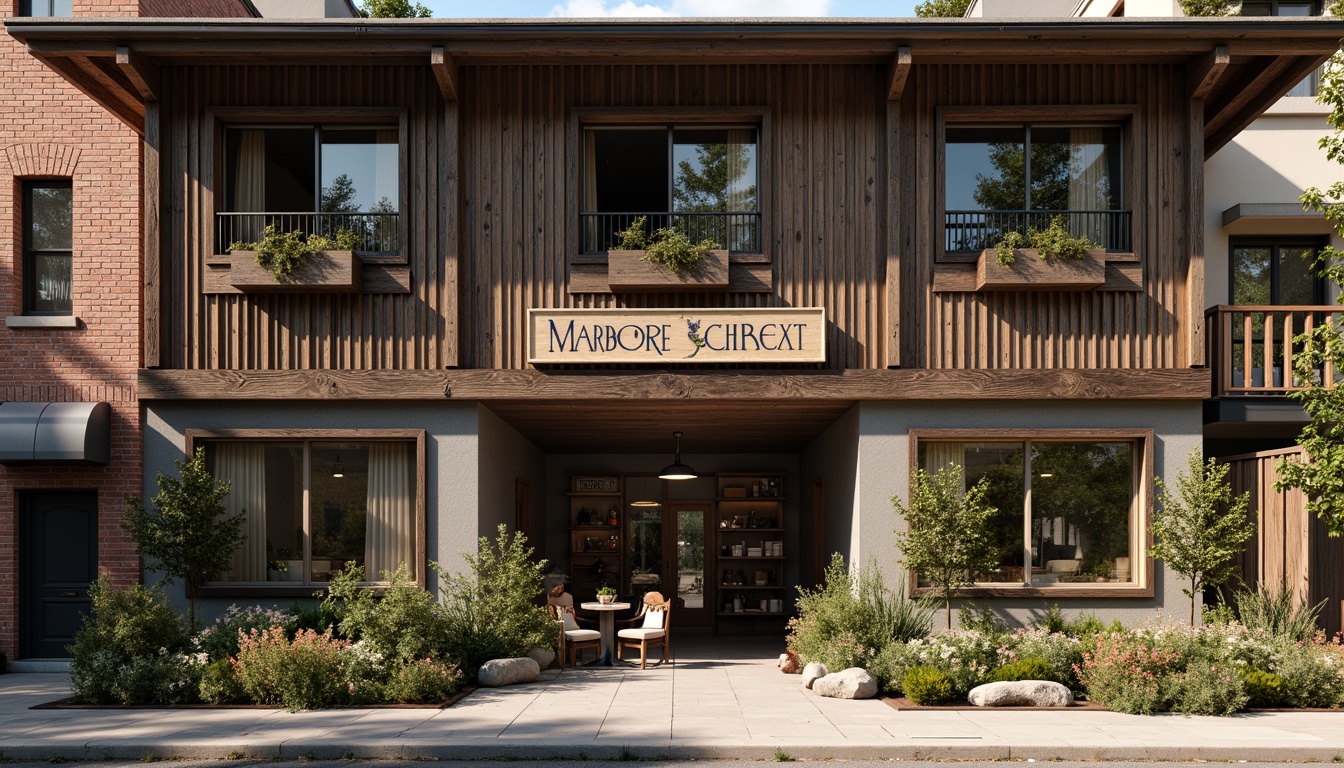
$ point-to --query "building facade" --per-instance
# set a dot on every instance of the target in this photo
(477, 350)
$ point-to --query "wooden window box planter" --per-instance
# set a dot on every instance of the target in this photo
(1029, 272)
(325, 272)
(627, 272)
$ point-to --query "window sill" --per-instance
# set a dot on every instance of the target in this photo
(25, 322)
(1296, 105)
(1081, 589)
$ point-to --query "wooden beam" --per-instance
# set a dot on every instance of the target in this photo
(445, 71)
(142, 73)
(1249, 99)
(152, 299)
(1204, 74)
(745, 387)
(113, 100)
(900, 71)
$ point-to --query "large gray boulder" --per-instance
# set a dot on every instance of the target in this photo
(852, 683)
(543, 656)
(1022, 693)
(500, 672)
(813, 672)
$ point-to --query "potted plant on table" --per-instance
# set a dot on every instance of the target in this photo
(606, 595)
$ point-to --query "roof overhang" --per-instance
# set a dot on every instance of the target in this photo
(55, 432)
(1237, 66)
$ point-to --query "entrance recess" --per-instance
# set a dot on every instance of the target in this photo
(58, 559)
(666, 550)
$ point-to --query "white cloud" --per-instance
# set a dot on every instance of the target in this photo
(698, 8)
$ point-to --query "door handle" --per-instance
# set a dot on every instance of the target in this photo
(69, 594)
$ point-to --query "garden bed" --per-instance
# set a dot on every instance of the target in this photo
(900, 703)
(71, 703)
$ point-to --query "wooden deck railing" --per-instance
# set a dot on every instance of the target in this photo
(1251, 348)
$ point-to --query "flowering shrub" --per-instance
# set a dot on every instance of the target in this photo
(1125, 672)
(1062, 651)
(306, 673)
(422, 681)
(129, 650)
(220, 640)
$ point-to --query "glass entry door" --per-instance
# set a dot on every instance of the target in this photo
(665, 550)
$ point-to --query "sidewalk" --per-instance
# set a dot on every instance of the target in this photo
(722, 699)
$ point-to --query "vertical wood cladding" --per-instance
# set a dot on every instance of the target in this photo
(1098, 329)
(825, 214)
(822, 220)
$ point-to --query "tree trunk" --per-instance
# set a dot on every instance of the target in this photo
(947, 597)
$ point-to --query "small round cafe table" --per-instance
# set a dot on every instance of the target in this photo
(606, 615)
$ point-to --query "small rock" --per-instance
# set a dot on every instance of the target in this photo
(1022, 693)
(788, 662)
(813, 672)
(543, 656)
(499, 672)
(852, 683)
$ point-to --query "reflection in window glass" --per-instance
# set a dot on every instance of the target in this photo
(48, 263)
(360, 509)
(1079, 515)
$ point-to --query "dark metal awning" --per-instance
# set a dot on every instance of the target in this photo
(55, 432)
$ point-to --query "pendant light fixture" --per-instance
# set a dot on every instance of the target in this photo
(676, 470)
(339, 469)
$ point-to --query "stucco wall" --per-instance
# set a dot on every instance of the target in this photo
(505, 457)
(833, 458)
(451, 450)
(884, 458)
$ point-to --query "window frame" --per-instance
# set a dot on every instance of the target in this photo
(1114, 114)
(218, 119)
(1275, 243)
(1142, 488)
(195, 437)
(25, 9)
(613, 117)
(30, 254)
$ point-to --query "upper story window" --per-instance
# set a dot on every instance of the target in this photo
(701, 180)
(48, 222)
(1288, 8)
(1276, 271)
(314, 179)
(46, 8)
(1000, 178)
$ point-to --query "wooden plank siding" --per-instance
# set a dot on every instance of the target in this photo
(1102, 329)
(491, 180)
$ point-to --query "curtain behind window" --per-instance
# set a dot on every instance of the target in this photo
(389, 539)
(243, 465)
(1088, 183)
(940, 456)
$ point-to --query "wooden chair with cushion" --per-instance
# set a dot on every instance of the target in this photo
(573, 638)
(651, 627)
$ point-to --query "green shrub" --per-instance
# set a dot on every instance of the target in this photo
(1030, 668)
(851, 618)
(1313, 675)
(1263, 689)
(1207, 688)
(1277, 612)
(128, 650)
(1219, 615)
(1063, 652)
(1085, 625)
(422, 681)
(284, 253)
(927, 686)
(220, 639)
(220, 685)
(306, 673)
(318, 617)
(890, 665)
(402, 623)
(973, 618)
(492, 613)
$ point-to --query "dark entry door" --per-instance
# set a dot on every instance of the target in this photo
(58, 551)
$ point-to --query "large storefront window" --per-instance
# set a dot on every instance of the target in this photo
(311, 507)
(1069, 511)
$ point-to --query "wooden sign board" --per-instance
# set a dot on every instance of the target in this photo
(677, 336)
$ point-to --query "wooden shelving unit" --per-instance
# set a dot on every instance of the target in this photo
(595, 543)
(749, 568)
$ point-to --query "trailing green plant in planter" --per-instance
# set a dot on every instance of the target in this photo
(667, 247)
(284, 253)
(1053, 242)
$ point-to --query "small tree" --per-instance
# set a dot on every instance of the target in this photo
(942, 9)
(184, 529)
(394, 9)
(1201, 527)
(948, 537)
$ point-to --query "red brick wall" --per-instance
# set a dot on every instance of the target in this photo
(49, 129)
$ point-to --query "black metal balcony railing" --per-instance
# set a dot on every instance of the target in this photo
(377, 232)
(738, 231)
(974, 231)
(1251, 348)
